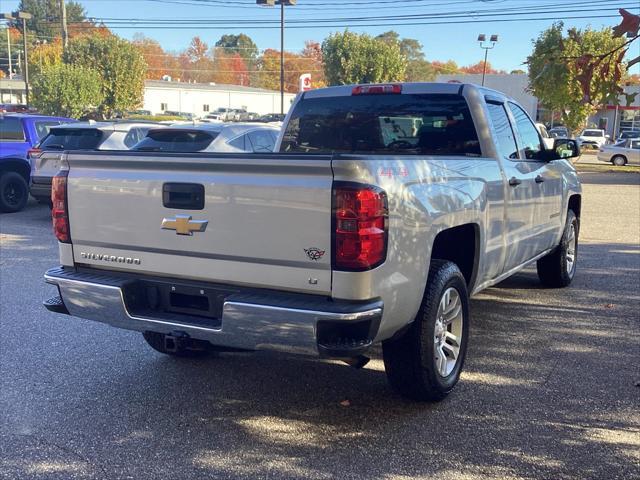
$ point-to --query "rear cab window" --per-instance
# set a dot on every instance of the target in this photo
(11, 130)
(396, 124)
(593, 133)
(72, 139)
(178, 141)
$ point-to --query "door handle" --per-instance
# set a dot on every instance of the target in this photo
(539, 179)
(514, 182)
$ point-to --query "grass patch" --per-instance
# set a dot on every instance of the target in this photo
(605, 168)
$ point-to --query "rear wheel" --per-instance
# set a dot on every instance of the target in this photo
(426, 361)
(558, 267)
(179, 346)
(619, 161)
(14, 192)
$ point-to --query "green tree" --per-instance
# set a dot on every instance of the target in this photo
(46, 17)
(241, 44)
(359, 58)
(121, 66)
(68, 90)
(417, 66)
(558, 78)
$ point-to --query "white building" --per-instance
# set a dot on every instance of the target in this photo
(201, 98)
(514, 85)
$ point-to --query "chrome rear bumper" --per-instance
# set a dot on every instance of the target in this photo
(250, 320)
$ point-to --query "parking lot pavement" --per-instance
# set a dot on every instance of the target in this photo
(550, 388)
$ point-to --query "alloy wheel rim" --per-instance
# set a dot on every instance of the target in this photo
(448, 332)
(572, 247)
(11, 194)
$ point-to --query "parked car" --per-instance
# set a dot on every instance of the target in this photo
(13, 108)
(629, 134)
(271, 117)
(624, 152)
(19, 133)
(226, 114)
(212, 118)
(46, 157)
(559, 132)
(382, 210)
(211, 137)
(546, 138)
(592, 137)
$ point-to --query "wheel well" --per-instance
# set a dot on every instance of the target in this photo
(575, 204)
(17, 165)
(460, 246)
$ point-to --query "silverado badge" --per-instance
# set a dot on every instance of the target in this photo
(314, 253)
(183, 225)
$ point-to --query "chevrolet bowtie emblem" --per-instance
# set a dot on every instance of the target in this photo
(183, 225)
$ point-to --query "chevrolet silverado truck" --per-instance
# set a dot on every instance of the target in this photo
(383, 208)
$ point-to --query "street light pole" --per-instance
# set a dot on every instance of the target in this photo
(9, 52)
(281, 57)
(25, 16)
(282, 3)
(482, 38)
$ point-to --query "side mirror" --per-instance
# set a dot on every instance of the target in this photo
(564, 148)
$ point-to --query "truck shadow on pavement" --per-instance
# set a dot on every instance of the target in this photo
(548, 392)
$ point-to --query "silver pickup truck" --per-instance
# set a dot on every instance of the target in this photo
(382, 210)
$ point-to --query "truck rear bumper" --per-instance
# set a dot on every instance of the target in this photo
(40, 188)
(249, 319)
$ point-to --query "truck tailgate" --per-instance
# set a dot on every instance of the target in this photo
(268, 217)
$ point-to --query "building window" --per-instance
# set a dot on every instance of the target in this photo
(205, 107)
(163, 107)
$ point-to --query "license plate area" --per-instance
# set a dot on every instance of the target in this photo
(184, 303)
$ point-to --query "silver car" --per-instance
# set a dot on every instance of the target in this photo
(622, 153)
(91, 135)
(211, 137)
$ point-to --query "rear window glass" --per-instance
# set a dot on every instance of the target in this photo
(593, 133)
(383, 124)
(72, 139)
(11, 130)
(181, 141)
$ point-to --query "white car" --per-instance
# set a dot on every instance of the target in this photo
(211, 137)
(622, 153)
(546, 138)
(592, 137)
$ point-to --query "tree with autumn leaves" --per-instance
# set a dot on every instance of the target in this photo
(578, 71)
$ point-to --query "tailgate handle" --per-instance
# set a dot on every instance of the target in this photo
(184, 196)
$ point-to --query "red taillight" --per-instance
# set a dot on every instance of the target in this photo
(34, 153)
(393, 88)
(360, 226)
(59, 212)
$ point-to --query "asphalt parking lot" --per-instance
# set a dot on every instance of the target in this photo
(551, 388)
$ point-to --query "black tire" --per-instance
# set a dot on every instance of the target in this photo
(14, 192)
(554, 269)
(410, 360)
(186, 348)
(619, 161)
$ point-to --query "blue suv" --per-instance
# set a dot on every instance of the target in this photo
(19, 133)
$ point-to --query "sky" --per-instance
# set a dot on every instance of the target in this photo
(180, 20)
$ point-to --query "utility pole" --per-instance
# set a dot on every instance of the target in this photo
(63, 20)
(9, 52)
(24, 16)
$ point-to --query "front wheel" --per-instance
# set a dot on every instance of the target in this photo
(619, 161)
(14, 192)
(557, 268)
(425, 362)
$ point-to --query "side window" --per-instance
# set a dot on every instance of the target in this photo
(133, 136)
(11, 130)
(506, 141)
(262, 141)
(238, 142)
(527, 133)
(635, 144)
